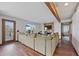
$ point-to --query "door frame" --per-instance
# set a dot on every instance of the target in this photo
(70, 30)
(3, 30)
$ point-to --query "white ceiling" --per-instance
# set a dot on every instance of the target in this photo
(65, 12)
(32, 11)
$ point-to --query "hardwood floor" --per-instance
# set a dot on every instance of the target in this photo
(17, 49)
(65, 48)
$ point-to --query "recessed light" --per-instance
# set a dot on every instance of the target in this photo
(66, 4)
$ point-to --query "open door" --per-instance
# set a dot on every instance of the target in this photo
(8, 31)
(66, 32)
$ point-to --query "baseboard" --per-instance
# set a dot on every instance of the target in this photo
(7, 43)
(0, 44)
(75, 50)
(32, 48)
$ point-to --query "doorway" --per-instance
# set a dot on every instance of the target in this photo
(66, 32)
(8, 31)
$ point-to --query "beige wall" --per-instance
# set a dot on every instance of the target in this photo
(57, 27)
(20, 25)
(75, 30)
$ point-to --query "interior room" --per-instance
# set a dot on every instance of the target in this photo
(39, 28)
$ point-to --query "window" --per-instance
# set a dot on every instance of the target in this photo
(30, 28)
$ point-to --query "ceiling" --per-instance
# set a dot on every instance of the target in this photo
(65, 11)
(33, 11)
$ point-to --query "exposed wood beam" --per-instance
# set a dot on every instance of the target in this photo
(53, 9)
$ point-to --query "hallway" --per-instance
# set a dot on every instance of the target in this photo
(65, 49)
